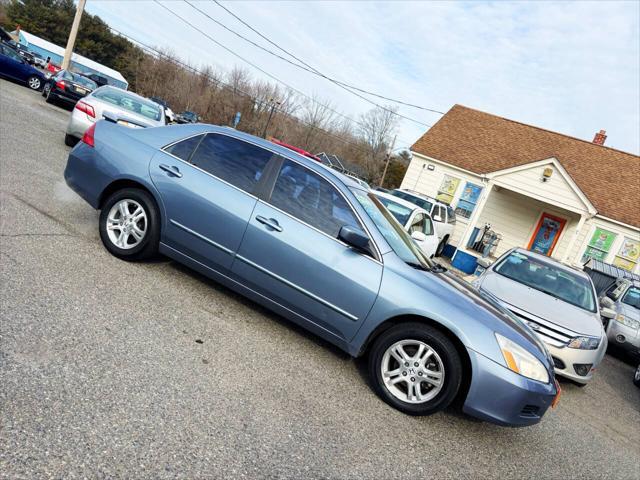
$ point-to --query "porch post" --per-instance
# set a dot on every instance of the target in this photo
(572, 244)
(474, 217)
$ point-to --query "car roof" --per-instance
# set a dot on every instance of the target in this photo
(422, 196)
(550, 261)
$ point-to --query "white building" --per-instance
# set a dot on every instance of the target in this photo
(562, 196)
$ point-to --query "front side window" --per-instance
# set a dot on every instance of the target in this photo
(632, 297)
(547, 278)
(417, 224)
(234, 161)
(308, 197)
(10, 53)
(184, 148)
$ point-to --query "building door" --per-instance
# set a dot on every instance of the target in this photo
(546, 234)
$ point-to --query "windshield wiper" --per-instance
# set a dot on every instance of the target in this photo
(437, 268)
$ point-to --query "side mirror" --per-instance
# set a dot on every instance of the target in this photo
(608, 313)
(437, 218)
(418, 236)
(484, 262)
(606, 302)
(354, 237)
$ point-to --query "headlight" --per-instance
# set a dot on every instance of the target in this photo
(584, 343)
(520, 361)
(629, 322)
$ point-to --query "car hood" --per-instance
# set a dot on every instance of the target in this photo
(542, 305)
(629, 311)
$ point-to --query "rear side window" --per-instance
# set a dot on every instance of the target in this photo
(234, 161)
(311, 199)
(451, 215)
(184, 148)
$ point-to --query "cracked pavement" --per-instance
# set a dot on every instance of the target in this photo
(117, 370)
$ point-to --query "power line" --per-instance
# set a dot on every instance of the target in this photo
(309, 67)
(246, 94)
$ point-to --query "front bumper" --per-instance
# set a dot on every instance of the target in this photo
(500, 396)
(623, 336)
(565, 360)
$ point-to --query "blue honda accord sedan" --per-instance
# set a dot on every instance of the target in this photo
(319, 249)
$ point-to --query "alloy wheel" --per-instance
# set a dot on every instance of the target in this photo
(34, 83)
(126, 224)
(412, 371)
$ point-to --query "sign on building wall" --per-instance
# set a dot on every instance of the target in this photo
(447, 189)
(599, 245)
(628, 255)
(468, 200)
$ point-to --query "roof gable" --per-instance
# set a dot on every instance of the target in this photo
(483, 143)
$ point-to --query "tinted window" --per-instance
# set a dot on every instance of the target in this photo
(234, 161)
(185, 148)
(310, 198)
(549, 279)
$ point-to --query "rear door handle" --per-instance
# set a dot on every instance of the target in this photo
(171, 170)
(269, 222)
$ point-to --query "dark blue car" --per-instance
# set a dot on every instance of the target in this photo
(319, 249)
(14, 67)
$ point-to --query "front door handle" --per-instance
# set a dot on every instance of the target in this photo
(269, 222)
(171, 170)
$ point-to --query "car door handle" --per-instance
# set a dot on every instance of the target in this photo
(171, 170)
(269, 222)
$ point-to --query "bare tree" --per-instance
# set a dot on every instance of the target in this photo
(376, 128)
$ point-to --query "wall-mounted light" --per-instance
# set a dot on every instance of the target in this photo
(431, 167)
(546, 174)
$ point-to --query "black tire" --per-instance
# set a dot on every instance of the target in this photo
(34, 82)
(440, 247)
(440, 344)
(636, 377)
(148, 246)
(70, 140)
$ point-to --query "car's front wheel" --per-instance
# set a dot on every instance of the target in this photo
(130, 224)
(415, 368)
(34, 82)
(70, 140)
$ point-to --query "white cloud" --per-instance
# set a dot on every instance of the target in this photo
(572, 67)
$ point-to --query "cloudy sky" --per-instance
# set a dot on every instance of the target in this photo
(571, 67)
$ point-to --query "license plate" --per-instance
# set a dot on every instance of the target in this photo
(81, 90)
(556, 399)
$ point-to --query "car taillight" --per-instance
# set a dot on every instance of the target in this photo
(60, 84)
(88, 136)
(86, 108)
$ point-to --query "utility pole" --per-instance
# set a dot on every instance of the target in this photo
(273, 107)
(386, 165)
(66, 61)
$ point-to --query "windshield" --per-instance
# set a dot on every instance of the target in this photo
(549, 279)
(397, 238)
(632, 297)
(400, 212)
(126, 101)
(421, 202)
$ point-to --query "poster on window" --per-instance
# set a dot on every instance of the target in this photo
(471, 193)
(448, 189)
(624, 263)
(602, 239)
(630, 250)
(546, 235)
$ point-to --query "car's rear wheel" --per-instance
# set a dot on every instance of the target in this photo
(34, 82)
(130, 224)
(440, 247)
(70, 140)
(415, 368)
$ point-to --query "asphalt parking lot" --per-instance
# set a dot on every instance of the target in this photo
(119, 370)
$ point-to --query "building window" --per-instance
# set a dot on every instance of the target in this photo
(447, 189)
(468, 200)
(599, 245)
(628, 255)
